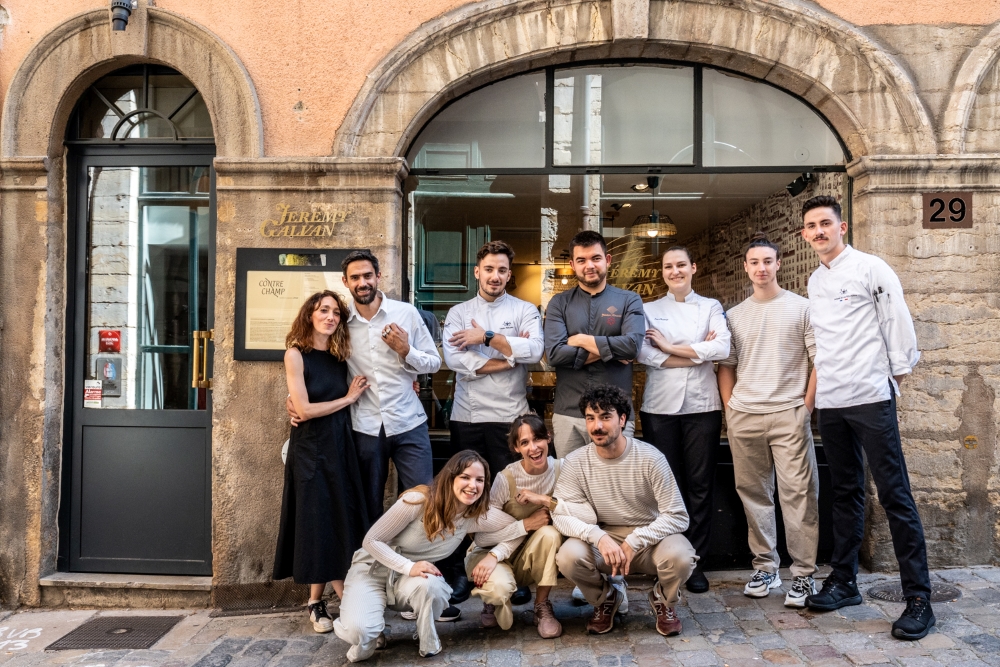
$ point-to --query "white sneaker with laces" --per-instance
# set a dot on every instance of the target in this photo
(802, 587)
(320, 617)
(761, 583)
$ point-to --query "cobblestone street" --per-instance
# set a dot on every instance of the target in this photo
(722, 627)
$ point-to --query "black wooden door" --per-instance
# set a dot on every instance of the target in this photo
(139, 360)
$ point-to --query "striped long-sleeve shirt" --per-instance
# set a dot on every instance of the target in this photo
(635, 489)
(398, 538)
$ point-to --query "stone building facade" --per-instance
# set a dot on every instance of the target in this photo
(317, 109)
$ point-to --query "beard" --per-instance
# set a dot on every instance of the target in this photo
(364, 298)
(491, 290)
(594, 282)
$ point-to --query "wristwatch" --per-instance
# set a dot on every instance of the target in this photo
(488, 338)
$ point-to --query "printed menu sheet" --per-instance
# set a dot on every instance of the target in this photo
(274, 299)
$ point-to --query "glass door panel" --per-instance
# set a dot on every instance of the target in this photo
(148, 260)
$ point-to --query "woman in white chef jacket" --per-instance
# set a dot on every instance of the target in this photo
(681, 409)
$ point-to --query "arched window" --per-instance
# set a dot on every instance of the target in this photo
(651, 154)
(142, 102)
(626, 115)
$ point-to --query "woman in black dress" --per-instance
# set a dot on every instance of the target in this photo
(323, 513)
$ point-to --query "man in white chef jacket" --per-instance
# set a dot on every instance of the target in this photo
(865, 346)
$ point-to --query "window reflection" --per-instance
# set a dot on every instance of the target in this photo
(449, 218)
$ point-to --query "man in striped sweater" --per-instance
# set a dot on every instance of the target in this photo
(641, 516)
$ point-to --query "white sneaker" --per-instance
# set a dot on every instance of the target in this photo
(408, 615)
(761, 583)
(802, 587)
(578, 595)
(320, 617)
(355, 654)
(622, 587)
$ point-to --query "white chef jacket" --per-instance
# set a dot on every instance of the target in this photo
(497, 397)
(863, 329)
(682, 391)
(391, 401)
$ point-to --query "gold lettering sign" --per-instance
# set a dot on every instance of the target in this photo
(319, 220)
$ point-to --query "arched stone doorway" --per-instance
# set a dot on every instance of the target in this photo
(33, 179)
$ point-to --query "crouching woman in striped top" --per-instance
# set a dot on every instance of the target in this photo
(394, 568)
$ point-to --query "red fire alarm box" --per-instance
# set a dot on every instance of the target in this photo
(111, 340)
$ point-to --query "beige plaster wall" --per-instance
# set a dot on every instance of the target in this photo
(309, 60)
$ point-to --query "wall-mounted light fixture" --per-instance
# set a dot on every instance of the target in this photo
(563, 270)
(121, 10)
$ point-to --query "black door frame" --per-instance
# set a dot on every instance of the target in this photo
(82, 155)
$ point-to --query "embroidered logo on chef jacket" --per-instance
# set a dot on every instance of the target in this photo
(846, 298)
(611, 315)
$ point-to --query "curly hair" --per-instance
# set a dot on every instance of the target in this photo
(606, 397)
(301, 335)
(441, 507)
(495, 248)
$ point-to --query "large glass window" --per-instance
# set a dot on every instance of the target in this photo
(649, 154)
(501, 125)
(623, 115)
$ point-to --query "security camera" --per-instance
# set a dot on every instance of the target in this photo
(798, 186)
(120, 11)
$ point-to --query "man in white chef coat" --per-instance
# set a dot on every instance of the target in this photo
(865, 346)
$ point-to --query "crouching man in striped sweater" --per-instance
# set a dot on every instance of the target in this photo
(641, 516)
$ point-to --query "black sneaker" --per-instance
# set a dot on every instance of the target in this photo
(697, 582)
(450, 614)
(835, 594)
(916, 621)
(521, 596)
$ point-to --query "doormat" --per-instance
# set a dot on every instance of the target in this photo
(893, 592)
(117, 632)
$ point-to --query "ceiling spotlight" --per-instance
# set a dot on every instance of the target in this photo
(640, 187)
(798, 186)
(619, 206)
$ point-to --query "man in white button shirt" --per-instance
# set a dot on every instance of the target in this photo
(489, 341)
(865, 345)
(768, 393)
(390, 345)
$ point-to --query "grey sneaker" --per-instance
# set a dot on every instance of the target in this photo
(622, 587)
(761, 583)
(802, 587)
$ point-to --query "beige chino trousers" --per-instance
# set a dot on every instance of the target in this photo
(671, 560)
(533, 563)
(778, 444)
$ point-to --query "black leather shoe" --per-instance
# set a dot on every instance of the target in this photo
(521, 596)
(697, 582)
(835, 594)
(461, 588)
(916, 621)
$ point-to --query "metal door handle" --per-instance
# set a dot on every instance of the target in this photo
(199, 359)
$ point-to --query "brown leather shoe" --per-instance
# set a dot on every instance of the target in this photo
(667, 623)
(603, 618)
(548, 625)
(488, 616)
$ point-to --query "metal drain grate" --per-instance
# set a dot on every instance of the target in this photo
(893, 592)
(117, 632)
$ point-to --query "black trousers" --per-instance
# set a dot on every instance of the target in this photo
(691, 445)
(489, 439)
(872, 429)
(410, 452)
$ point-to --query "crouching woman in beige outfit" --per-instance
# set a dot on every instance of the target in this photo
(524, 490)
(395, 566)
